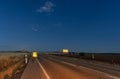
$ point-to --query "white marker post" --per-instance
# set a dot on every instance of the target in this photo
(26, 59)
(93, 56)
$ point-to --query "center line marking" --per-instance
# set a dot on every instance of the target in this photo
(46, 74)
(69, 64)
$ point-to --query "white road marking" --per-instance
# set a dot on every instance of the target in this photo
(73, 65)
(114, 77)
(46, 74)
(69, 64)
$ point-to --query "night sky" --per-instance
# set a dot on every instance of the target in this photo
(51, 25)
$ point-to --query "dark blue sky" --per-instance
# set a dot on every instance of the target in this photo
(49, 25)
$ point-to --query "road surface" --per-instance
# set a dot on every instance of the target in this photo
(55, 67)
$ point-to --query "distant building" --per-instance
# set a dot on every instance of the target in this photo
(65, 51)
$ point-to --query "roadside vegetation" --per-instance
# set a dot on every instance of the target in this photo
(11, 65)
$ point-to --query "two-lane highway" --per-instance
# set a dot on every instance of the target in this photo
(53, 67)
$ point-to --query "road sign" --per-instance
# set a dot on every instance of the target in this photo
(34, 54)
(65, 51)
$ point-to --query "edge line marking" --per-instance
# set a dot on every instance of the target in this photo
(46, 74)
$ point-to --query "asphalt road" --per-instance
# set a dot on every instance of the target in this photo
(55, 67)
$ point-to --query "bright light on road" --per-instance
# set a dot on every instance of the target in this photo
(34, 54)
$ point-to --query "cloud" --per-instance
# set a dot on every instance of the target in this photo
(47, 8)
(58, 24)
(36, 28)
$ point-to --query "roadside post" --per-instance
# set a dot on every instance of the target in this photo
(93, 56)
(26, 58)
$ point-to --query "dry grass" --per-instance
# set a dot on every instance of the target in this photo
(9, 62)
